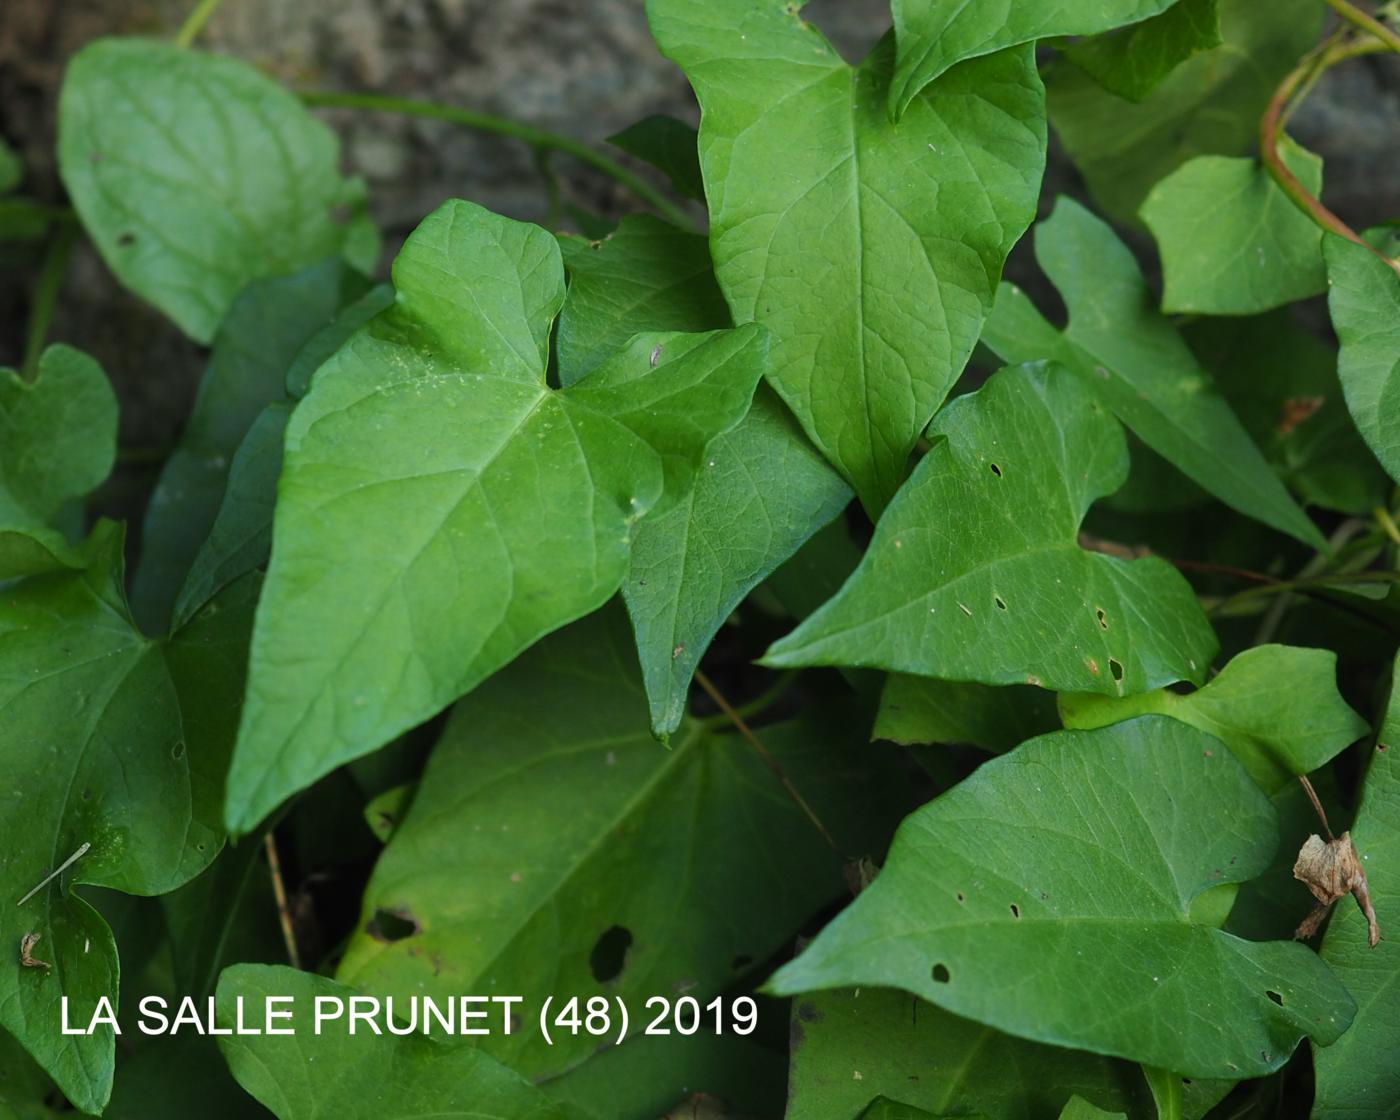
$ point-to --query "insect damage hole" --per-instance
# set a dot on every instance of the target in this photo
(1103, 618)
(609, 955)
(996, 470)
(1278, 999)
(392, 925)
(1000, 602)
(1015, 910)
(941, 974)
(1116, 668)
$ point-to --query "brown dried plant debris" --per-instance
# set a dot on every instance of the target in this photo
(1331, 869)
(26, 952)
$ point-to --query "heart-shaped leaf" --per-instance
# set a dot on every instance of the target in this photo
(1232, 242)
(1010, 598)
(441, 507)
(1132, 61)
(934, 35)
(1050, 895)
(1276, 707)
(550, 825)
(1364, 298)
(58, 441)
(120, 747)
(807, 244)
(195, 174)
(1138, 363)
(1209, 105)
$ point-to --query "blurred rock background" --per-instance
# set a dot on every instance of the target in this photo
(586, 68)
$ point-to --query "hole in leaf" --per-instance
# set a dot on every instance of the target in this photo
(125, 239)
(609, 954)
(940, 974)
(1116, 668)
(1001, 603)
(392, 925)
(740, 962)
(996, 470)
(177, 751)
(1015, 910)
(1103, 618)
(1278, 999)
(962, 897)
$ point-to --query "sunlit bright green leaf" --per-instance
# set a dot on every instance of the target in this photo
(871, 250)
(441, 507)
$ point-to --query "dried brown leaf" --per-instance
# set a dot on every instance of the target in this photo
(1331, 869)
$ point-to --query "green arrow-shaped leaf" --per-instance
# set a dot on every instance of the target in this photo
(1138, 363)
(1049, 895)
(647, 275)
(441, 507)
(1364, 298)
(58, 441)
(550, 826)
(1232, 243)
(1276, 707)
(195, 175)
(119, 749)
(935, 35)
(304, 1075)
(1010, 598)
(808, 244)
(1132, 61)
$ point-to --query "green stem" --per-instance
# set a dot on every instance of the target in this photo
(46, 290)
(1271, 132)
(536, 138)
(195, 21)
(1357, 18)
(1166, 1092)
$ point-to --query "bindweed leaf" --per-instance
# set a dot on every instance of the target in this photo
(550, 825)
(1364, 298)
(806, 245)
(195, 175)
(1232, 242)
(1276, 707)
(1132, 61)
(1071, 852)
(1209, 105)
(934, 35)
(1136, 361)
(924, 1056)
(1011, 598)
(429, 447)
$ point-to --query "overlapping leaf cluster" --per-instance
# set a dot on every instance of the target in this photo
(561, 600)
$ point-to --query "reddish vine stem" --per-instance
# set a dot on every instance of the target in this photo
(1281, 105)
(772, 763)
